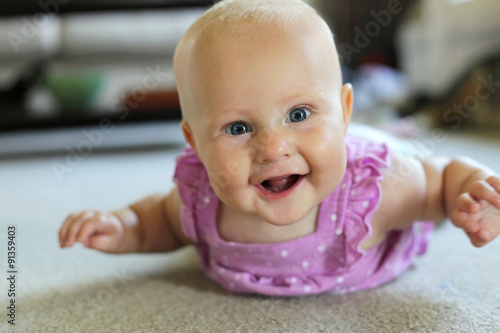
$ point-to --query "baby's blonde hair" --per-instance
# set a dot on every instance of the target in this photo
(232, 22)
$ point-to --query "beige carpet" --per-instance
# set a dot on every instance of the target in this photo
(454, 288)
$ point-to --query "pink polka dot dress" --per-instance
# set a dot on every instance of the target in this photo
(328, 260)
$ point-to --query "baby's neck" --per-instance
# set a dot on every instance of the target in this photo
(235, 226)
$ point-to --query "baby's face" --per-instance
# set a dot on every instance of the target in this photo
(269, 125)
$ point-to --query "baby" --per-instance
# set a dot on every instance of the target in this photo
(273, 193)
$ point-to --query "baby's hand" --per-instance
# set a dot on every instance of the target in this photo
(478, 211)
(94, 229)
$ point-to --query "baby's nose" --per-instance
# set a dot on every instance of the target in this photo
(272, 146)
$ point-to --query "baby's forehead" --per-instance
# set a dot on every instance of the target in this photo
(241, 26)
(251, 37)
(236, 21)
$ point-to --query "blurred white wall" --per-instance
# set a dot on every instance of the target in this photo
(442, 39)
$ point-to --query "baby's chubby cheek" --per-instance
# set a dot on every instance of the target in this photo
(224, 175)
(328, 167)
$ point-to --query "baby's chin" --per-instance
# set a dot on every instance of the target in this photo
(269, 215)
(291, 216)
(281, 222)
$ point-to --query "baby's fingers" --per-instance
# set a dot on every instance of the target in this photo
(103, 242)
(63, 231)
(465, 221)
(467, 204)
(486, 190)
(494, 182)
(479, 239)
(87, 230)
(490, 229)
(101, 232)
(74, 228)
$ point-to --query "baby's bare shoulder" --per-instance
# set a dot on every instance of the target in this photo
(403, 194)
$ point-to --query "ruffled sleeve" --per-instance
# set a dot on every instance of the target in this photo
(187, 178)
(364, 174)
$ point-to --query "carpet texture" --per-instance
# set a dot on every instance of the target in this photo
(453, 288)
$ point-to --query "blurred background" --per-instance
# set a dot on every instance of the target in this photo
(89, 120)
(70, 69)
(435, 60)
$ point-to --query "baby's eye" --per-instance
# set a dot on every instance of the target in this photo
(297, 115)
(238, 128)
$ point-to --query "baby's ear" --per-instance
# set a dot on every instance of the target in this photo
(188, 135)
(347, 96)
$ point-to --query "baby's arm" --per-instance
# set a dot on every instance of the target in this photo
(150, 225)
(435, 188)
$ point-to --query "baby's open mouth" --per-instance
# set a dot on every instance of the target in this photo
(278, 185)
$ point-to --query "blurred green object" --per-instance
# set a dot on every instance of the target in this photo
(75, 90)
